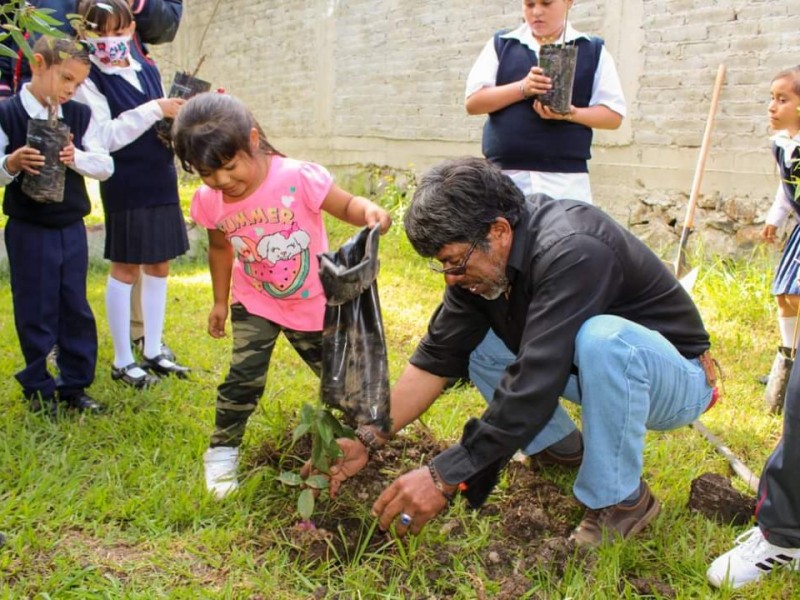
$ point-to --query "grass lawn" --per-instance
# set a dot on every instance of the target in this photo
(115, 506)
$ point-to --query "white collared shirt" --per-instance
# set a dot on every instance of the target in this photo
(93, 161)
(606, 91)
(129, 125)
(781, 205)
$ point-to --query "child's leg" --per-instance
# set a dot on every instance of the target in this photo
(137, 321)
(787, 319)
(782, 363)
(253, 341)
(118, 309)
(308, 344)
(154, 305)
(34, 260)
(778, 507)
(77, 332)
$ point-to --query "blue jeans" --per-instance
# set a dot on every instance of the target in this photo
(641, 383)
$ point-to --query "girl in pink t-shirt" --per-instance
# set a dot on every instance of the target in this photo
(263, 213)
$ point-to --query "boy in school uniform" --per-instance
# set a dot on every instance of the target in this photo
(46, 242)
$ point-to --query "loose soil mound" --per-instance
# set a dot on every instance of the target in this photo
(534, 519)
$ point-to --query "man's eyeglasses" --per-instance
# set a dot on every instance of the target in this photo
(459, 269)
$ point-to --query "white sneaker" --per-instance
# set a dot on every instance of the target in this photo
(751, 558)
(221, 465)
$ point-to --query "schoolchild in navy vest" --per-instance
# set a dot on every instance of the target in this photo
(515, 137)
(790, 175)
(17, 204)
(144, 173)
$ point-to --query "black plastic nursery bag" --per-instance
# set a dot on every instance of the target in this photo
(49, 138)
(184, 85)
(355, 375)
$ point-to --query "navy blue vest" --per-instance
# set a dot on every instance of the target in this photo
(16, 203)
(790, 176)
(144, 170)
(515, 137)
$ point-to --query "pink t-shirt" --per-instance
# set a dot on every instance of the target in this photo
(276, 234)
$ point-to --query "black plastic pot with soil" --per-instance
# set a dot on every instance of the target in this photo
(184, 85)
(558, 62)
(49, 137)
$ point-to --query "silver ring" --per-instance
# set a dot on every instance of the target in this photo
(405, 519)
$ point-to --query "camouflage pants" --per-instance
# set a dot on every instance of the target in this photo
(253, 342)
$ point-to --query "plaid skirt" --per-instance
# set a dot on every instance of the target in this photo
(146, 236)
(785, 281)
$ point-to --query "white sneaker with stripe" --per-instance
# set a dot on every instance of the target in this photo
(751, 558)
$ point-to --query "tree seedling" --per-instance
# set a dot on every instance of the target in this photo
(324, 429)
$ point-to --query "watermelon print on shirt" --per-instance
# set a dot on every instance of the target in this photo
(276, 234)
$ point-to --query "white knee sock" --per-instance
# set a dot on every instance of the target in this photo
(118, 314)
(787, 326)
(154, 305)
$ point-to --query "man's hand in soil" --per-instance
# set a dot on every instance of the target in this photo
(354, 458)
(413, 494)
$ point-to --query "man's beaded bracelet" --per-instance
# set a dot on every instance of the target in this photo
(437, 482)
(366, 435)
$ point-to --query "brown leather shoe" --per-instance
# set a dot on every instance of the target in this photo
(616, 521)
(550, 457)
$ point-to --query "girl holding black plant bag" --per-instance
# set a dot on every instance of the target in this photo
(144, 223)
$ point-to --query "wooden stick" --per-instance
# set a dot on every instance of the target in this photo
(199, 64)
(694, 194)
(738, 466)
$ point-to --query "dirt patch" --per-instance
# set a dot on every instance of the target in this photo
(714, 496)
(644, 586)
(534, 518)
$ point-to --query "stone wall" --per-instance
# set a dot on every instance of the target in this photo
(352, 82)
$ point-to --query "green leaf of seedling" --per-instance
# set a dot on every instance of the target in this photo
(6, 51)
(322, 464)
(307, 414)
(318, 458)
(289, 478)
(39, 26)
(300, 431)
(46, 16)
(348, 432)
(305, 503)
(22, 44)
(333, 451)
(331, 422)
(318, 482)
(325, 433)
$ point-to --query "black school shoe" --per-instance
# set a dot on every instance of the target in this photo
(160, 365)
(164, 350)
(122, 375)
(46, 406)
(83, 403)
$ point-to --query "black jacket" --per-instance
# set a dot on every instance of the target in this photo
(569, 261)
